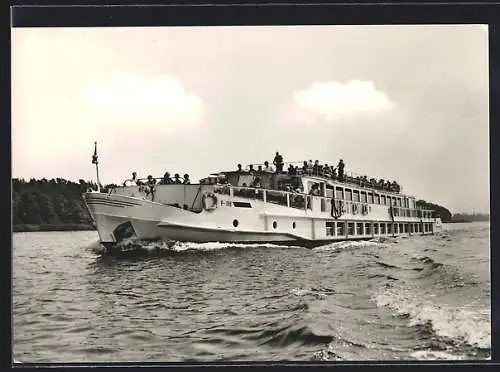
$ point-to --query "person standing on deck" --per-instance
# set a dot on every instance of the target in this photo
(304, 167)
(316, 168)
(151, 181)
(340, 168)
(278, 162)
(177, 179)
(132, 181)
(267, 167)
(166, 179)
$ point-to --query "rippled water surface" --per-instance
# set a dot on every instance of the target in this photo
(404, 298)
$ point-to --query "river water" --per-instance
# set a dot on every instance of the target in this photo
(406, 298)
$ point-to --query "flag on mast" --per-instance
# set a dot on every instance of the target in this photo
(94, 157)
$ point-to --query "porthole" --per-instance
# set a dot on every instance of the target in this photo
(275, 224)
(294, 225)
(235, 223)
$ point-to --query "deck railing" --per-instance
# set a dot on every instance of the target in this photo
(305, 202)
(349, 177)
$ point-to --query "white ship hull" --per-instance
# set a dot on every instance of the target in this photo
(128, 213)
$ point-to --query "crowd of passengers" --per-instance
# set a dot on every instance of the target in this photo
(150, 181)
(321, 170)
(308, 168)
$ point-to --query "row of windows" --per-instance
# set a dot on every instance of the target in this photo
(366, 228)
(358, 208)
(375, 228)
(372, 197)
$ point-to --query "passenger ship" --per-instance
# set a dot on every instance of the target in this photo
(221, 209)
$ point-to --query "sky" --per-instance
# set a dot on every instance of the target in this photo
(405, 103)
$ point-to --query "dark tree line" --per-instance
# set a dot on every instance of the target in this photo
(55, 204)
(443, 212)
(447, 216)
(475, 217)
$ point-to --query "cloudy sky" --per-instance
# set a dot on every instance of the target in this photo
(398, 102)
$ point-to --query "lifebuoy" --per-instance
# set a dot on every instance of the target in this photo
(214, 201)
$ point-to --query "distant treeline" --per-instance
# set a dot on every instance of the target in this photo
(56, 204)
(475, 217)
(443, 212)
(448, 217)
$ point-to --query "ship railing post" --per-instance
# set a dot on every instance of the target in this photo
(231, 192)
(288, 199)
(264, 196)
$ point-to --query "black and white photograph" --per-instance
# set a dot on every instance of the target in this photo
(250, 193)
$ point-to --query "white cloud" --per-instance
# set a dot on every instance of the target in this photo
(139, 103)
(331, 100)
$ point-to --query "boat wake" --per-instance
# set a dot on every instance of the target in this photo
(354, 245)
(161, 247)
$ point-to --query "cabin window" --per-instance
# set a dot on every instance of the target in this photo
(350, 228)
(396, 228)
(368, 228)
(359, 228)
(235, 223)
(400, 227)
(340, 228)
(355, 195)
(330, 228)
(294, 225)
(363, 197)
(375, 228)
(329, 192)
(348, 194)
(275, 224)
(370, 197)
(377, 199)
(406, 228)
(339, 193)
(399, 202)
(382, 228)
(323, 205)
(389, 200)
(389, 228)
(383, 200)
